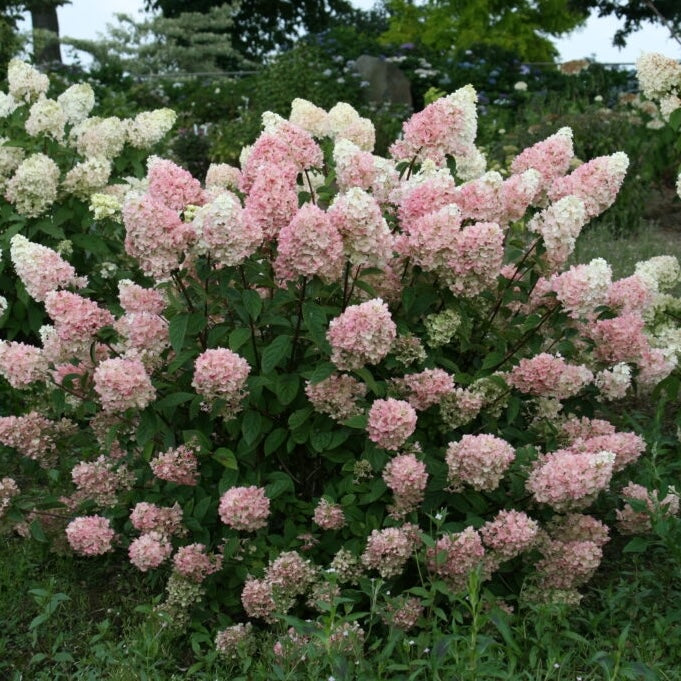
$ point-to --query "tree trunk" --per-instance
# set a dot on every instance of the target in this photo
(46, 49)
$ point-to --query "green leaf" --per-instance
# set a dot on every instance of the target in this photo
(174, 399)
(225, 457)
(238, 337)
(281, 483)
(37, 532)
(286, 388)
(279, 348)
(252, 302)
(316, 323)
(147, 427)
(359, 421)
(275, 439)
(322, 371)
(177, 330)
(202, 507)
(321, 441)
(636, 545)
(299, 417)
(250, 426)
(675, 120)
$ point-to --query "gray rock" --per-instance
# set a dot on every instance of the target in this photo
(387, 83)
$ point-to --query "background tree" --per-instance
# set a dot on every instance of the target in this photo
(635, 13)
(189, 42)
(262, 26)
(522, 26)
(45, 26)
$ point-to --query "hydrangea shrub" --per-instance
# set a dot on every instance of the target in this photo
(328, 366)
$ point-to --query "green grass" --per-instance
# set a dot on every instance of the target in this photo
(649, 241)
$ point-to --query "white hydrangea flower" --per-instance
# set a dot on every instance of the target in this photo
(46, 117)
(25, 82)
(10, 158)
(614, 383)
(470, 166)
(100, 136)
(150, 127)
(87, 177)
(33, 187)
(310, 117)
(105, 206)
(658, 75)
(8, 105)
(659, 273)
(344, 122)
(77, 102)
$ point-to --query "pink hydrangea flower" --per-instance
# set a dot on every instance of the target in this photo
(221, 374)
(548, 375)
(90, 535)
(517, 193)
(272, 201)
(551, 157)
(391, 422)
(144, 335)
(630, 521)
(367, 239)
(41, 269)
(479, 461)
(258, 599)
(579, 527)
(8, 490)
(576, 428)
(388, 551)
(178, 465)
(455, 556)
(32, 435)
(427, 195)
(173, 186)
(123, 384)
(101, 481)
(76, 319)
(481, 199)
(407, 477)
(310, 244)
(135, 298)
(361, 335)
(627, 447)
(568, 480)
(149, 550)
(21, 364)
(630, 295)
(566, 565)
(194, 563)
(165, 520)
(479, 253)
(290, 574)
(329, 516)
(222, 231)
(583, 288)
(426, 388)
(285, 145)
(620, 339)
(447, 126)
(156, 236)
(510, 533)
(336, 396)
(245, 508)
(596, 182)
